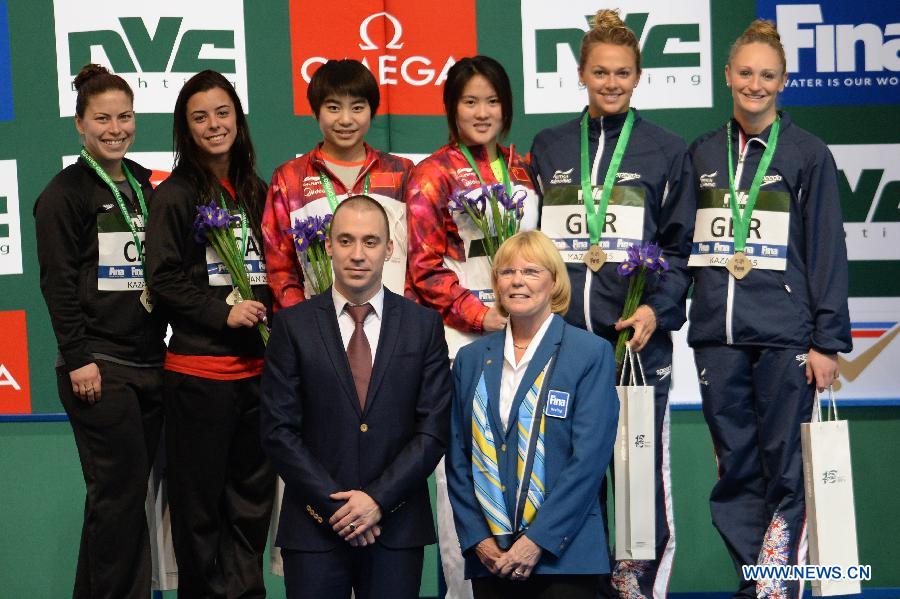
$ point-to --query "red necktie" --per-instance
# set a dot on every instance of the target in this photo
(359, 352)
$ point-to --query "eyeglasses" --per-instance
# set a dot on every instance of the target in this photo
(529, 272)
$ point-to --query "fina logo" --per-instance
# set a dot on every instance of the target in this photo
(413, 70)
(155, 47)
(676, 55)
(838, 52)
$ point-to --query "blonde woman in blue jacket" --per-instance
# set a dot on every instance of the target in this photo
(534, 412)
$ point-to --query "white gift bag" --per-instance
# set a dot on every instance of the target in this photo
(162, 552)
(830, 515)
(276, 565)
(634, 466)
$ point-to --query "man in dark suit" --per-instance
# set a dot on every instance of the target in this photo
(355, 417)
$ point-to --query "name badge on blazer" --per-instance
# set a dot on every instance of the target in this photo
(557, 404)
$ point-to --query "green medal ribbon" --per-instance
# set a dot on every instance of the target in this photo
(135, 186)
(243, 223)
(742, 221)
(329, 189)
(507, 183)
(596, 216)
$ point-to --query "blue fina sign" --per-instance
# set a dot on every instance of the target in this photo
(838, 52)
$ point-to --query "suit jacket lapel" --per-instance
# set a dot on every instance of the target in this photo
(331, 341)
(387, 341)
(549, 346)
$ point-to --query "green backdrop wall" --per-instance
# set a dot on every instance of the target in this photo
(41, 491)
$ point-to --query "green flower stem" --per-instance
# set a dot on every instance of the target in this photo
(632, 301)
(226, 247)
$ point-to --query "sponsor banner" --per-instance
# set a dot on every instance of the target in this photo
(767, 235)
(10, 229)
(867, 373)
(869, 183)
(15, 392)
(159, 162)
(6, 95)
(676, 58)
(154, 46)
(838, 52)
(408, 48)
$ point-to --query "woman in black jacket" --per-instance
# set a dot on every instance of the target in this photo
(89, 223)
(220, 483)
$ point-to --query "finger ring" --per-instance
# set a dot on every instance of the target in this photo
(518, 573)
(352, 526)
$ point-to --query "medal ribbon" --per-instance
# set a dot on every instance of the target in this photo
(742, 220)
(507, 183)
(329, 189)
(135, 186)
(596, 215)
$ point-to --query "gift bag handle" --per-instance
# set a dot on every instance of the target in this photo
(832, 405)
(630, 357)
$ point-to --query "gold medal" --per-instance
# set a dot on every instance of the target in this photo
(234, 297)
(145, 299)
(595, 258)
(738, 265)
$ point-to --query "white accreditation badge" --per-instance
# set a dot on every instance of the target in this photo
(564, 221)
(118, 263)
(254, 262)
(767, 236)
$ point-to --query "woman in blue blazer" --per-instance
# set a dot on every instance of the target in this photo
(533, 425)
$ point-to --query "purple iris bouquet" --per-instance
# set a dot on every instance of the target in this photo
(309, 237)
(213, 225)
(643, 259)
(495, 212)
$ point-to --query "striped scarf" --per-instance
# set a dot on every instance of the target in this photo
(530, 466)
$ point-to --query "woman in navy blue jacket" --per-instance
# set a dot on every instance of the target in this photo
(769, 310)
(524, 488)
(651, 199)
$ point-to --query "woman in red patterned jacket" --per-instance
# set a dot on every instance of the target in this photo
(447, 267)
(344, 97)
(446, 270)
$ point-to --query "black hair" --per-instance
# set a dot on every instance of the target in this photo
(338, 78)
(190, 160)
(460, 74)
(95, 79)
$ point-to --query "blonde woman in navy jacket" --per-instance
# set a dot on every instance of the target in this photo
(553, 540)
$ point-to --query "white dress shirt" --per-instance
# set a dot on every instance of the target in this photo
(372, 324)
(513, 373)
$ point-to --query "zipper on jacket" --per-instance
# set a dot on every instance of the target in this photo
(729, 300)
(588, 273)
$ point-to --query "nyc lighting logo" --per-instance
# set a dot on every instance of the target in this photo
(159, 162)
(6, 97)
(10, 231)
(408, 49)
(155, 46)
(15, 393)
(676, 59)
(838, 52)
(869, 184)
